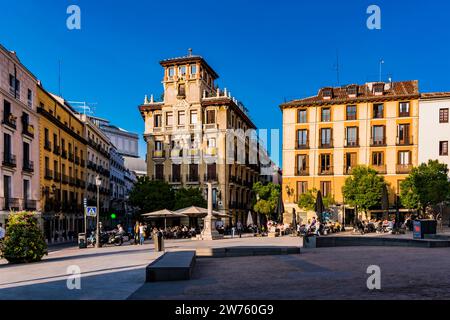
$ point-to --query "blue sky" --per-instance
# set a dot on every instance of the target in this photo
(264, 51)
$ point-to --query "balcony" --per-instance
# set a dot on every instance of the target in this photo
(30, 205)
(11, 204)
(302, 172)
(158, 154)
(403, 168)
(65, 179)
(77, 160)
(56, 150)
(57, 176)
(328, 144)
(348, 170)
(71, 157)
(64, 154)
(192, 178)
(210, 177)
(10, 120)
(403, 114)
(302, 145)
(326, 171)
(72, 181)
(378, 142)
(211, 152)
(407, 141)
(47, 145)
(27, 129)
(381, 169)
(48, 174)
(28, 166)
(194, 152)
(351, 143)
(9, 160)
(175, 179)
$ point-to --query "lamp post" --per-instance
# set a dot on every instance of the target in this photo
(98, 183)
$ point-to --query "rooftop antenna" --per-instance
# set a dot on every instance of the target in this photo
(381, 64)
(337, 68)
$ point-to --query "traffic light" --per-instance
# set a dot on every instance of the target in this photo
(113, 216)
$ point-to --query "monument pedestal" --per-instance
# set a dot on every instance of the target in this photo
(210, 232)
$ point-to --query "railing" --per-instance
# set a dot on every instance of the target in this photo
(348, 170)
(9, 160)
(403, 168)
(10, 120)
(326, 171)
(30, 205)
(301, 145)
(56, 150)
(326, 144)
(159, 154)
(64, 154)
(28, 166)
(27, 129)
(72, 181)
(77, 160)
(47, 145)
(379, 168)
(65, 179)
(11, 204)
(407, 141)
(301, 172)
(57, 176)
(351, 143)
(210, 177)
(403, 114)
(175, 179)
(192, 178)
(48, 174)
(378, 142)
(71, 157)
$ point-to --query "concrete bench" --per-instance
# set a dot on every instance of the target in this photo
(171, 266)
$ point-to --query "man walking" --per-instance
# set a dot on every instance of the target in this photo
(239, 229)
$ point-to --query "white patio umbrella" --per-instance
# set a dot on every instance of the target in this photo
(197, 212)
(163, 214)
(249, 219)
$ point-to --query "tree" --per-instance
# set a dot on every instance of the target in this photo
(364, 188)
(426, 186)
(268, 195)
(151, 196)
(307, 200)
(24, 241)
(187, 197)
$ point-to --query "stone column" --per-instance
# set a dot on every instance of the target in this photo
(209, 231)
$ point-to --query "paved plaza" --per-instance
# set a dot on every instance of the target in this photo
(117, 273)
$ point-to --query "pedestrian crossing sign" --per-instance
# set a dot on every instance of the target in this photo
(91, 211)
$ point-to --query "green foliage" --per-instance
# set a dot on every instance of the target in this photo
(24, 241)
(268, 197)
(186, 197)
(364, 188)
(426, 185)
(307, 200)
(151, 196)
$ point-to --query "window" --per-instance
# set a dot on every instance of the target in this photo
(443, 148)
(182, 70)
(211, 142)
(158, 120)
(302, 187)
(302, 116)
(352, 90)
(352, 136)
(350, 161)
(327, 93)
(404, 158)
(325, 137)
(443, 115)
(210, 116)
(6, 110)
(325, 163)
(171, 72)
(181, 90)
(377, 159)
(30, 98)
(159, 171)
(326, 115)
(158, 145)
(169, 119)
(403, 134)
(193, 69)
(378, 137)
(302, 138)
(403, 109)
(193, 117)
(325, 188)
(14, 86)
(378, 111)
(181, 118)
(351, 112)
(302, 164)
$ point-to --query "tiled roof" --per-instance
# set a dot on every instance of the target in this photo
(340, 95)
(431, 95)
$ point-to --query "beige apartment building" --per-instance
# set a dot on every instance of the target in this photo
(19, 137)
(190, 138)
(325, 136)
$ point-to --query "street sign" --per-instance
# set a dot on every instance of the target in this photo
(91, 211)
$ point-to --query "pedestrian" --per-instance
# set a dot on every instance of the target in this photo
(136, 233)
(2, 232)
(141, 233)
(239, 229)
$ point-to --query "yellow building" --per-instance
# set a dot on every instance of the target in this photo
(325, 136)
(62, 167)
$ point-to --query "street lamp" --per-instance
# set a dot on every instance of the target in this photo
(98, 183)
